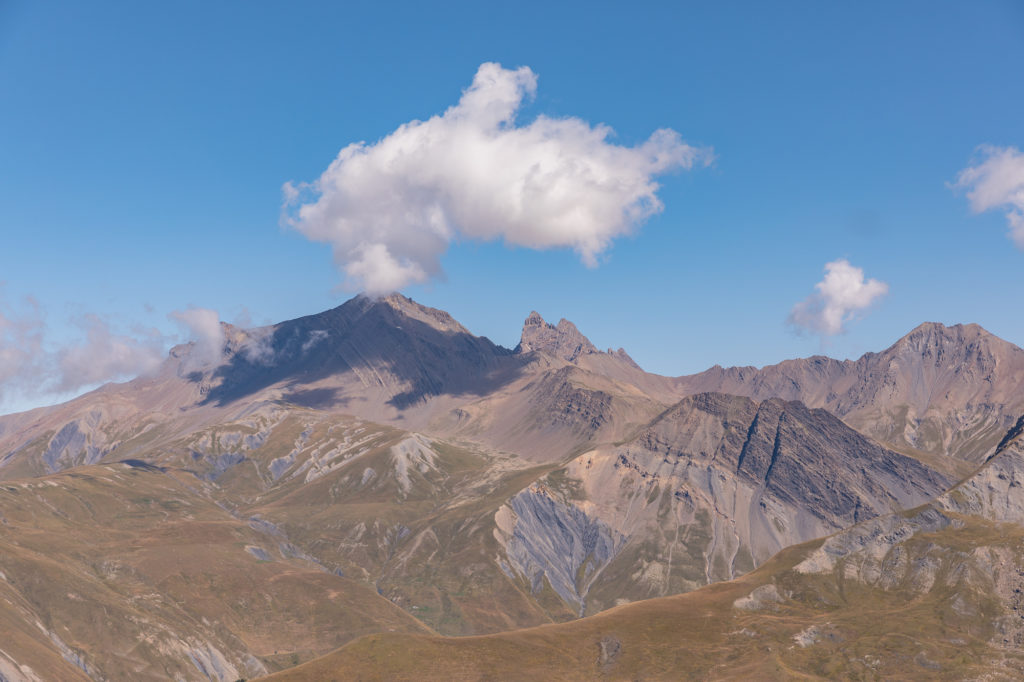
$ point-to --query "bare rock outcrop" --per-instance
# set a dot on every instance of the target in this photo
(710, 489)
(562, 341)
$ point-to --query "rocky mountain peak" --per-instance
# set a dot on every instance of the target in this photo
(563, 341)
(962, 347)
(405, 306)
(936, 334)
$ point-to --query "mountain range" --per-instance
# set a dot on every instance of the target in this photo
(377, 478)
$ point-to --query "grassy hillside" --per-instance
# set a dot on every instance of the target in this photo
(130, 572)
(775, 623)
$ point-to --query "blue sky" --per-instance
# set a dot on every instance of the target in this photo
(143, 152)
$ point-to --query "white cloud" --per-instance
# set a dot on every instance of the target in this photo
(840, 296)
(997, 181)
(205, 330)
(105, 356)
(390, 209)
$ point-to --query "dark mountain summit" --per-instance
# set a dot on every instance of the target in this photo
(391, 346)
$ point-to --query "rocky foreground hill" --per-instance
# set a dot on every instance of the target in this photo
(377, 468)
(932, 593)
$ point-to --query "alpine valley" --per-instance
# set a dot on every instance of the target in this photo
(373, 492)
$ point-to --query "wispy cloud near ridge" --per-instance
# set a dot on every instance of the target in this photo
(390, 209)
(105, 356)
(203, 327)
(35, 366)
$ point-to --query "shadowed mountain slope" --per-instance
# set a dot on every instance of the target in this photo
(709, 490)
(389, 360)
(393, 349)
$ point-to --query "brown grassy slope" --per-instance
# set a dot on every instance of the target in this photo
(418, 527)
(681, 636)
(136, 573)
(817, 627)
(689, 636)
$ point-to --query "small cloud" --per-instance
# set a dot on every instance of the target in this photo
(258, 347)
(997, 181)
(204, 329)
(258, 344)
(841, 295)
(315, 337)
(390, 209)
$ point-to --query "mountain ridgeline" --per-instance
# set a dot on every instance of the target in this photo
(950, 391)
(385, 470)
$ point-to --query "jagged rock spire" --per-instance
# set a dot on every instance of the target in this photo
(563, 341)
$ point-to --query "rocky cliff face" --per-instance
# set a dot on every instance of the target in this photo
(965, 549)
(709, 490)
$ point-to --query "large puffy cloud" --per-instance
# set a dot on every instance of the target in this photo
(841, 295)
(997, 181)
(390, 209)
